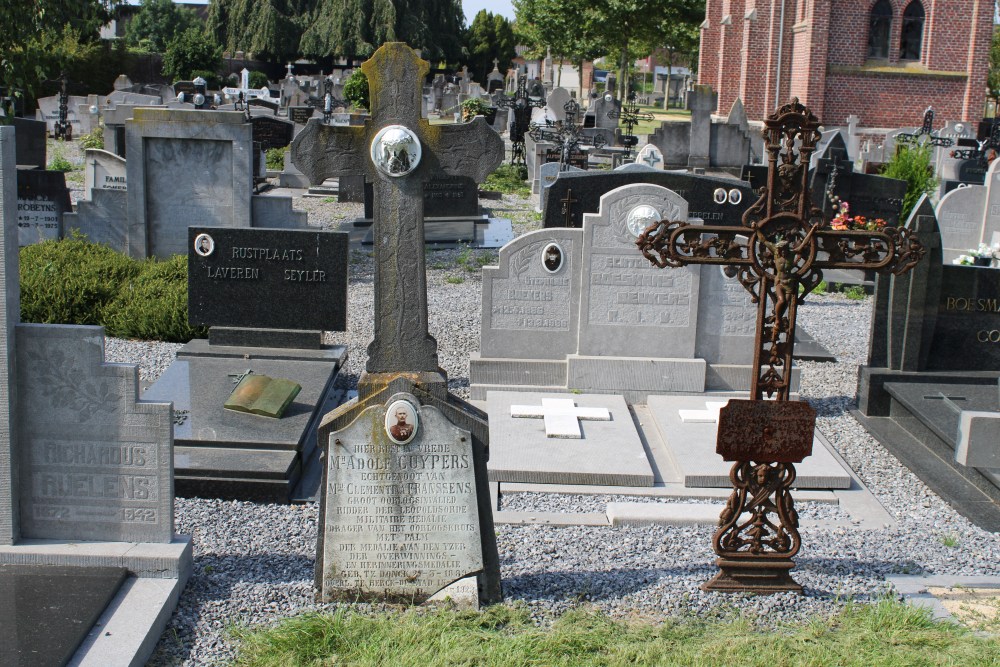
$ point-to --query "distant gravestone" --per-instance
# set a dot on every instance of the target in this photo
(555, 104)
(271, 132)
(991, 218)
(300, 274)
(960, 217)
(602, 108)
(31, 136)
(701, 101)
(103, 171)
(650, 156)
(185, 167)
(300, 115)
(714, 199)
(42, 199)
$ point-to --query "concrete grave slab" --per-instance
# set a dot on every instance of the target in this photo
(692, 448)
(608, 453)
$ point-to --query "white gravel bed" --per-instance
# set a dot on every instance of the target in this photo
(254, 563)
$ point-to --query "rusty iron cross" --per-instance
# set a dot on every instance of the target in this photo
(778, 255)
(397, 151)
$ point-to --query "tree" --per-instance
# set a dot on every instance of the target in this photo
(355, 28)
(356, 89)
(993, 77)
(191, 50)
(566, 28)
(157, 23)
(490, 36)
(31, 34)
(269, 30)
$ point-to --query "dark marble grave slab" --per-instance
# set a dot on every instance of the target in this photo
(294, 279)
(219, 453)
(967, 332)
(921, 430)
(46, 611)
(588, 187)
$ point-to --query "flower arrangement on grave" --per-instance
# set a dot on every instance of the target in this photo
(844, 220)
(981, 256)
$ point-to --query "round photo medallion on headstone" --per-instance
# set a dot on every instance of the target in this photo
(401, 422)
(735, 196)
(552, 257)
(396, 150)
(204, 245)
(720, 195)
(641, 217)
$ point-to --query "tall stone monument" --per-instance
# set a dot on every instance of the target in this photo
(405, 505)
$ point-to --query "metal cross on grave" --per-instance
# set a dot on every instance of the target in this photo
(522, 105)
(926, 130)
(397, 151)
(566, 133)
(780, 249)
(629, 116)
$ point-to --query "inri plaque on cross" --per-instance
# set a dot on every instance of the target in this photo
(397, 151)
(778, 255)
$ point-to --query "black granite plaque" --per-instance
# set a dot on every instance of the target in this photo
(46, 611)
(30, 138)
(967, 334)
(972, 171)
(300, 114)
(701, 192)
(271, 132)
(267, 278)
(353, 188)
(268, 104)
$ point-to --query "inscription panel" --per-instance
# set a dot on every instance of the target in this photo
(967, 333)
(401, 522)
(297, 278)
(727, 319)
(629, 291)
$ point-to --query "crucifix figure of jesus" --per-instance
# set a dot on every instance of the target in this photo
(778, 255)
(397, 151)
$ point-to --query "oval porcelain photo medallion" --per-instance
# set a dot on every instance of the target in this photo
(401, 422)
(552, 257)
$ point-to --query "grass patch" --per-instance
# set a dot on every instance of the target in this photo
(886, 633)
(473, 261)
(73, 281)
(59, 163)
(949, 540)
(454, 280)
(510, 180)
(855, 293)
(275, 158)
(93, 139)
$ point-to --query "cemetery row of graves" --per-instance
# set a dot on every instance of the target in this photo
(644, 404)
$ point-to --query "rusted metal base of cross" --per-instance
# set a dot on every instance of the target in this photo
(753, 575)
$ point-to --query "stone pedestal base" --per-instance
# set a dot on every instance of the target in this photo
(753, 575)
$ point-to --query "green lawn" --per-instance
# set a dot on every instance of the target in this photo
(885, 634)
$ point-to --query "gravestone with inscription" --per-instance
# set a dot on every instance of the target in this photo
(933, 364)
(577, 309)
(103, 171)
(42, 200)
(86, 486)
(417, 451)
(298, 279)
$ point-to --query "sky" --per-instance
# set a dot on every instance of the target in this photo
(472, 7)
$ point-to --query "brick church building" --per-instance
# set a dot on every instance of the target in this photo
(882, 60)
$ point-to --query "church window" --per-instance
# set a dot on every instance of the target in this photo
(912, 33)
(879, 25)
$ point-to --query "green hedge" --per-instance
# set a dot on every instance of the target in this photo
(73, 281)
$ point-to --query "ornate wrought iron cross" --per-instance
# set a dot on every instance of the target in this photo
(987, 150)
(926, 130)
(397, 151)
(566, 133)
(629, 116)
(328, 102)
(778, 255)
(522, 105)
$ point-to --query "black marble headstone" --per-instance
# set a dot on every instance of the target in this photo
(268, 278)
(30, 138)
(271, 132)
(717, 201)
(300, 114)
(967, 334)
(46, 611)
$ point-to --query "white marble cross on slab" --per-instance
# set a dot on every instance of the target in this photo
(707, 416)
(562, 416)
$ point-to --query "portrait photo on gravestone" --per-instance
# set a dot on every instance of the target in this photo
(549, 351)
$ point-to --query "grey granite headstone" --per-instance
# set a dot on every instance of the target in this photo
(103, 171)
(601, 110)
(554, 104)
(102, 219)
(991, 219)
(727, 319)
(401, 518)
(701, 101)
(960, 216)
(185, 167)
(627, 304)
(95, 462)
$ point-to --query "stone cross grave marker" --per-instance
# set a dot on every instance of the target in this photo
(397, 151)
(782, 245)
(562, 416)
(405, 508)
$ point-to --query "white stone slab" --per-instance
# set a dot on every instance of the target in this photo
(709, 415)
(659, 514)
(692, 448)
(608, 453)
(978, 439)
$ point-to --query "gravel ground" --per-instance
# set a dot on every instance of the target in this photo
(254, 563)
